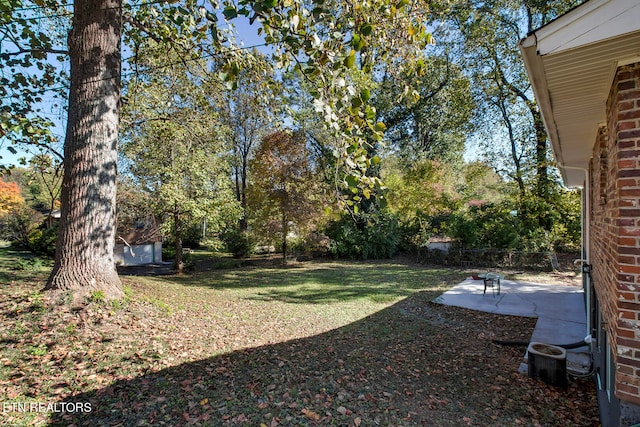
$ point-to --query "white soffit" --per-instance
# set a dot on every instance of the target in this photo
(571, 63)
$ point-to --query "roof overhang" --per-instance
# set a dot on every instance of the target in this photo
(571, 63)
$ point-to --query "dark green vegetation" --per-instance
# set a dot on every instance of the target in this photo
(352, 344)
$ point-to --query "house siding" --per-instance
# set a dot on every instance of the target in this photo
(615, 230)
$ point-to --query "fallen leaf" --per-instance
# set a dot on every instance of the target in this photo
(311, 415)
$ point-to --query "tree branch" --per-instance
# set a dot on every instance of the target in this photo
(139, 25)
(22, 51)
(513, 88)
(48, 148)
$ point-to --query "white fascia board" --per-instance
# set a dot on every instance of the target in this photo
(591, 22)
(535, 70)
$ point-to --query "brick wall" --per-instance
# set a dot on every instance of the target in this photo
(615, 227)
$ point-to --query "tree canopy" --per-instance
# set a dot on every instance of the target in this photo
(176, 144)
(285, 193)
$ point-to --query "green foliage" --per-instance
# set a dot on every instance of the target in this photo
(312, 245)
(425, 188)
(188, 261)
(337, 47)
(486, 226)
(428, 114)
(191, 237)
(481, 183)
(40, 350)
(19, 225)
(169, 253)
(42, 241)
(175, 146)
(26, 66)
(239, 243)
(364, 236)
(29, 264)
(562, 210)
(97, 297)
(509, 225)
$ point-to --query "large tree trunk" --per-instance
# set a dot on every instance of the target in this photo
(84, 255)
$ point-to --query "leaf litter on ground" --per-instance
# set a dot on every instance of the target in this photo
(314, 346)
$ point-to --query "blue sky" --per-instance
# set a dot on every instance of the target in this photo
(247, 33)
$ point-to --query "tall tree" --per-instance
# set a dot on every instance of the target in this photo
(84, 259)
(249, 110)
(286, 192)
(176, 145)
(434, 120)
(491, 31)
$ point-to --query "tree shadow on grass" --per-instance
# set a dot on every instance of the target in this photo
(324, 282)
(411, 364)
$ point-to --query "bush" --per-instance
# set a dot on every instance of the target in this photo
(29, 264)
(311, 246)
(188, 261)
(520, 227)
(43, 241)
(487, 226)
(191, 237)
(168, 252)
(240, 244)
(365, 236)
(19, 224)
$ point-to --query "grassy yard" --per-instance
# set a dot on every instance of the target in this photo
(319, 343)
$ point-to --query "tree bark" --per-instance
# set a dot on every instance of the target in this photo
(84, 254)
(285, 232)
(177, 234)
(542, 169)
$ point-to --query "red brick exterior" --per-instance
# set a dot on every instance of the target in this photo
(614, 230)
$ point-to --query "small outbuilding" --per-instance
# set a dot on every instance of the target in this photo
(139, 244)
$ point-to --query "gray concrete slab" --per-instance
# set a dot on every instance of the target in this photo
(560, 309)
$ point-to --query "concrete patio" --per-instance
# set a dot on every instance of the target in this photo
(560, 311)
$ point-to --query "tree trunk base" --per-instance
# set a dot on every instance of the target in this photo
(104, 285)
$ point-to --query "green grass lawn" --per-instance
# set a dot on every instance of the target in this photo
(318, 343)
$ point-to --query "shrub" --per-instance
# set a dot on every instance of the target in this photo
(43, 241)
(168, 252)
(365, 236)
(487, 226)
(188, 261)
(29, 264)
(97, 297)
(19, 224)
(240, 244)
(312, 245)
